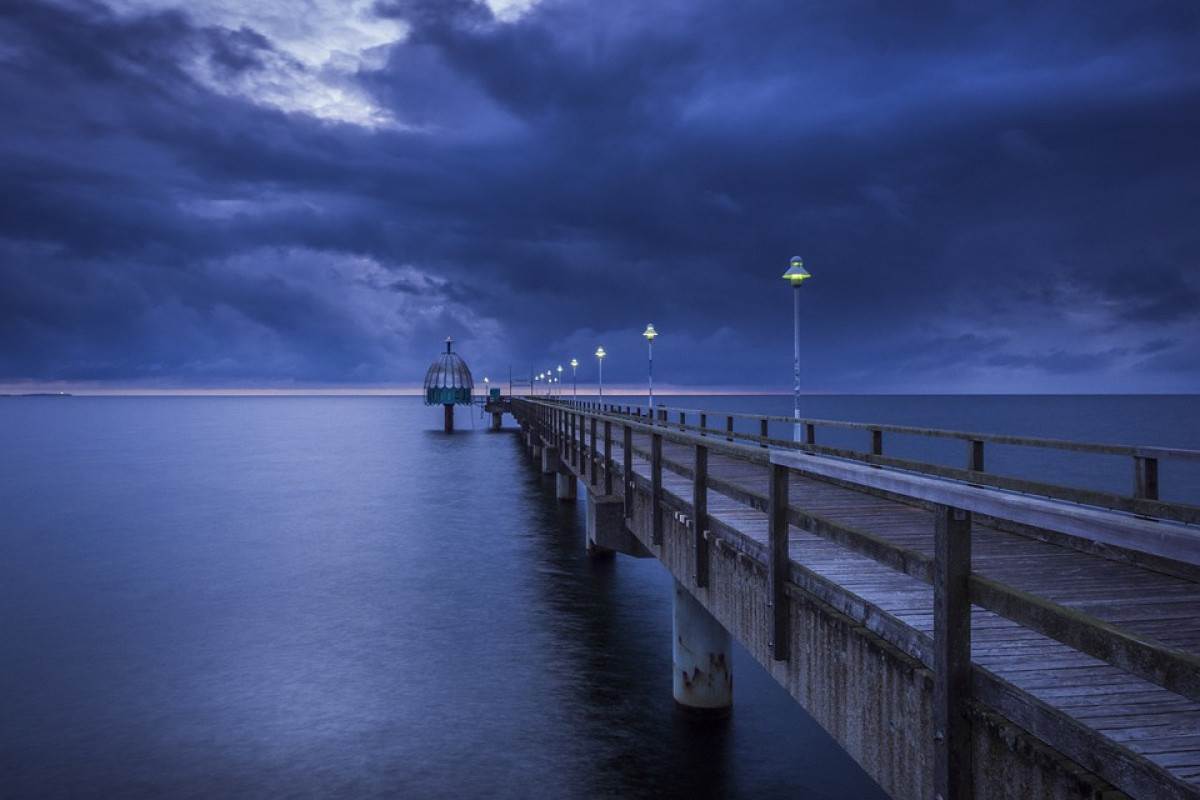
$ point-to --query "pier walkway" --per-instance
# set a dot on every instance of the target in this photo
(960, 634)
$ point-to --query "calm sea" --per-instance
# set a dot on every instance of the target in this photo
(329, 597)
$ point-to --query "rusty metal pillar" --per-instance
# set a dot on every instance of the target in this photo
(702, 659)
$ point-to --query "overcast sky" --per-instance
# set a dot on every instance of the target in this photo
(991, 196)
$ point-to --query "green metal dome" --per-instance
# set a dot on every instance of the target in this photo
(448, 380)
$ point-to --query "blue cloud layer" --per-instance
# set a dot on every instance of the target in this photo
(991, 196)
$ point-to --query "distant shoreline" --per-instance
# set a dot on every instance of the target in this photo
(39, 394)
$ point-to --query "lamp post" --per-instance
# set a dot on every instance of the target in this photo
(650, 333)
(600, 354)
(574, 379)
(558, 380)
(796, 275)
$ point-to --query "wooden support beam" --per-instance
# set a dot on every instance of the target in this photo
(700, 514)
(780, 563)
(656, 488)
(952, 654)
(608, 470)
(627, 468)
(593, 454)
(1145, 478)
(762, 431)
(975, 457)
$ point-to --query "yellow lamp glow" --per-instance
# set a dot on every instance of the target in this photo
(796, 272)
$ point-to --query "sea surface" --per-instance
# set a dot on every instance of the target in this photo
(233, 597)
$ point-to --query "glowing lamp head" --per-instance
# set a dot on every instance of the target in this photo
(574, 362)
(796, 273)
(600, 352)
(650, 333)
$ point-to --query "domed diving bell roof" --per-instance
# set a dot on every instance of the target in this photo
(448, 381)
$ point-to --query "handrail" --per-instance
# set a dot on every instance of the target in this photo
(1101, 448)
(1143, 500)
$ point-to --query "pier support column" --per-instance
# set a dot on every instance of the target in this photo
(551, 461)
(564, 485)
(605, 516)
(702, 660)
(497, 420)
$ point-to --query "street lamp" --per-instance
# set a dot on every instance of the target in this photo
(559, 380)
(797, 275)
(574, 379)
(600, 354)
(650, 333)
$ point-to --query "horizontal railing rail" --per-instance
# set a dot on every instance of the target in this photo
(569, 427)
(1143, 498)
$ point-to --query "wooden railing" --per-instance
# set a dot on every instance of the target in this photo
(1143, 499)
(584, 433)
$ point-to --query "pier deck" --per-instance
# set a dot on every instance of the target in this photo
(1088, 647)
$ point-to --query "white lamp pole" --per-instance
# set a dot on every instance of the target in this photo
(574, 379)
(600, 354)
(558, 380)
(650, 333)
(797, 275)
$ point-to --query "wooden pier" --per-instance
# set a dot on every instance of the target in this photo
(959, 633)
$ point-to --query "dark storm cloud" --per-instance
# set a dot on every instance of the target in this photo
(989, 195)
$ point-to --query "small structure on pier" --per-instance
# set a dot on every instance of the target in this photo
(448, 383)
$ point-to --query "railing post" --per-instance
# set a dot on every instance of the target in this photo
(975, 458)
(762, 431)
(593, 454)
(627, 468)
(607, 458)
(703, 423)
(1145, 478)
(876, 442)
(700, 514)
(779, 567)
(810, 433)
(656, 526)
(682, 419)
(952, 654)
(729, 428)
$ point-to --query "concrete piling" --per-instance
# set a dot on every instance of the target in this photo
(702, 659)
(565, 486)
